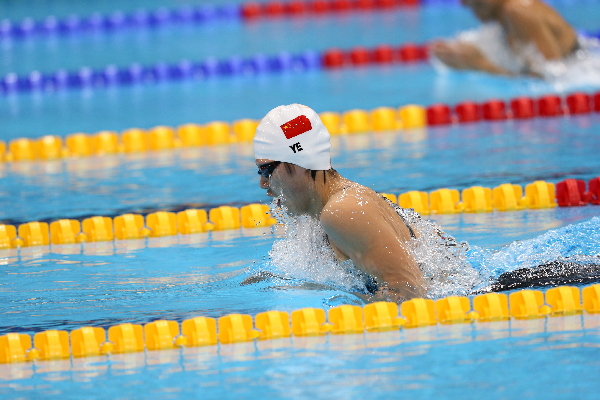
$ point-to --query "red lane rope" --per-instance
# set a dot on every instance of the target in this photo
(382, 54)
(255, 10)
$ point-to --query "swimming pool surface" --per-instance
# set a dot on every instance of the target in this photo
(174, 278)
(228, 99)
(496, 360)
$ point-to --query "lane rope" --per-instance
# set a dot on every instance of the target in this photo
(380, 316)
(407, 117)
(116, 21)
(476, 199)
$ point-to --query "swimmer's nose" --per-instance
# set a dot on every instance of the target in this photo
(263, 183)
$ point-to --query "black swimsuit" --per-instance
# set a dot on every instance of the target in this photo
(553, 273)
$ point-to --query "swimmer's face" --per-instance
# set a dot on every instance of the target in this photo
(287, 182)
(484, 10)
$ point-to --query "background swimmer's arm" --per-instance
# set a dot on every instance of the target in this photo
(464, 56)
(357, 230)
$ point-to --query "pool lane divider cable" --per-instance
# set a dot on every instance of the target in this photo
(136, 74)
(477, 199)
(380, 316)
(248, 12)
(117, 21)
(275, 9)
(203, 14)
(506, 197)
(408, 118)
(253, 11)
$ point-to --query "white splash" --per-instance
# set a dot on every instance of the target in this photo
(442, 259)
(579, 69)
(577, 242)
(304, 253)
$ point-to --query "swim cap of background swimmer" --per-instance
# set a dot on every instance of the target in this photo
(293, 134)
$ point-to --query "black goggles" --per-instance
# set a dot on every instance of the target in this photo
(266, 170)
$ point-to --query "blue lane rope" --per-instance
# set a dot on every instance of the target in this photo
(136, 73)
(118, 20)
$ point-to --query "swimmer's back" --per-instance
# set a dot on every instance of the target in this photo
(535, 21)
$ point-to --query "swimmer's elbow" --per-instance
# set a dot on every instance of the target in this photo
(410, 285)
(405, 291)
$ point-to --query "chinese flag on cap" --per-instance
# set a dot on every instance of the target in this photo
(296, 126)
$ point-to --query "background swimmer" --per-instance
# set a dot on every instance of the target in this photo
(532, 31)
(292, 151)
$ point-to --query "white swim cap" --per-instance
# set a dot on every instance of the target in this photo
(293, 134)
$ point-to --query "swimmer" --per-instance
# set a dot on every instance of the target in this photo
(526, 25)
(380, 239)
(292, 151)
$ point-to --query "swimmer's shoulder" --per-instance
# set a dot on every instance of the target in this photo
(356, 205)
(519, 12)
(515, 8)
(349, 200)
(352, 197)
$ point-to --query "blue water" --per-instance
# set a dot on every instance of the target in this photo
(185, 276)
(226, 38)
(103, 284)
(229, 99)
(223, 39)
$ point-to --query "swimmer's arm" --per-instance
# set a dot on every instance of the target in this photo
(374, 248)
(464, 56)
(387, 294)
(382, 294)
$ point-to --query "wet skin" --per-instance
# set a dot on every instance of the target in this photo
(524, 22)
(359, 224)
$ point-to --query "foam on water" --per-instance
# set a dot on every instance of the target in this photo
(582, 68)
(304, 253)
(442, 259)
(579, 70)
(577, 242)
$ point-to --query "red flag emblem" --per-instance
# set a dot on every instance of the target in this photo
(296, 126)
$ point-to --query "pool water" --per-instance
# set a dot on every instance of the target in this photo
(492, 360)
(176, 278)
(103, 284)
(231, 98)
(486, 154)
